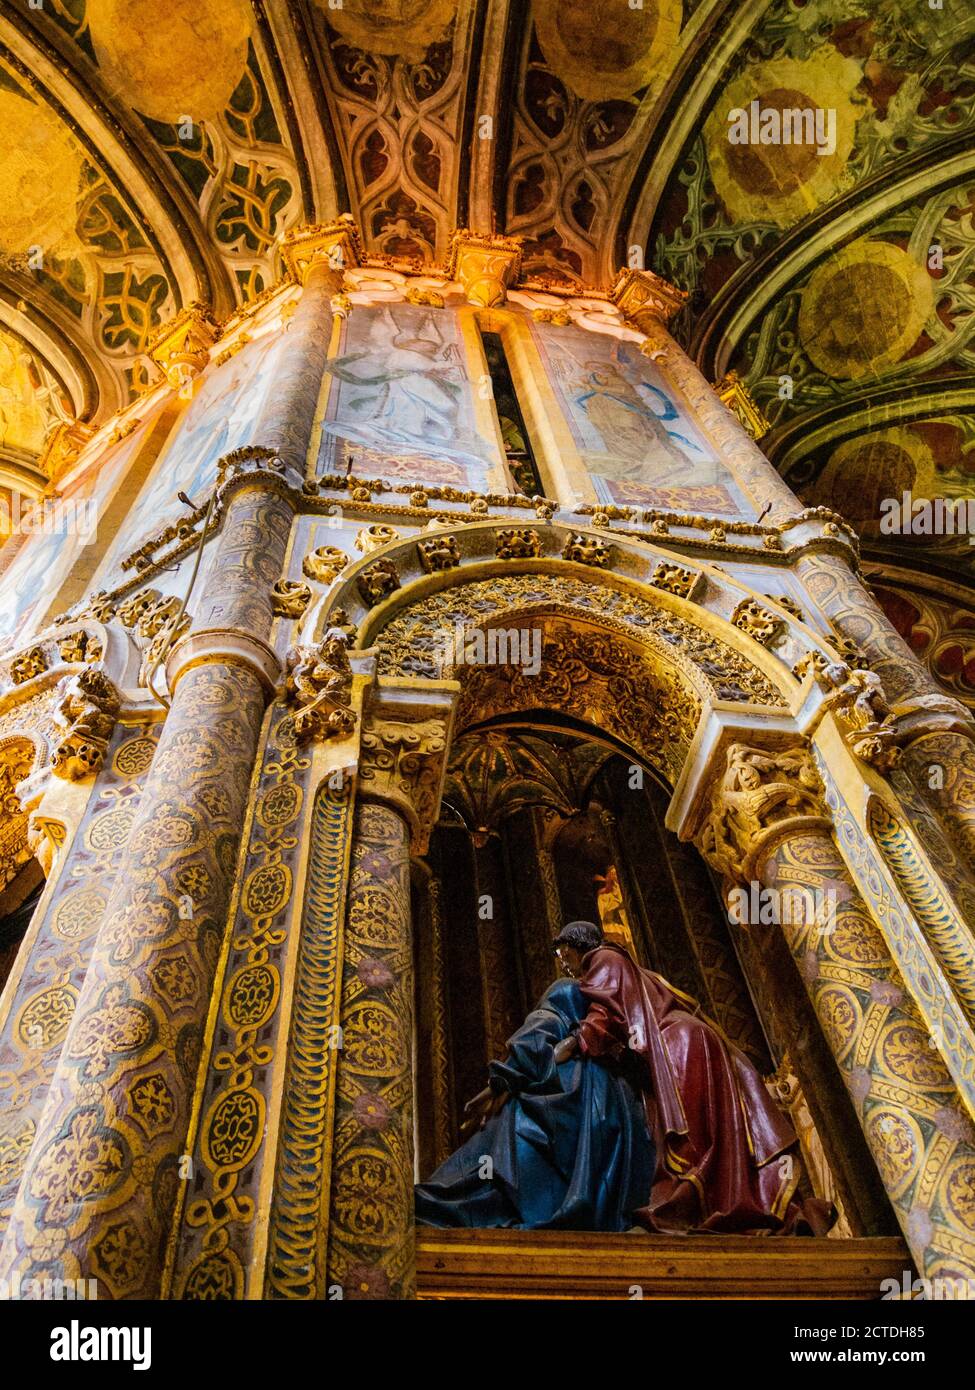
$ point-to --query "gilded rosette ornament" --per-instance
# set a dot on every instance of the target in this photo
(485, 265)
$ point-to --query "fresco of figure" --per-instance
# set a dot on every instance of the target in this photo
(404, 389)
(625, 421)
(221, 418)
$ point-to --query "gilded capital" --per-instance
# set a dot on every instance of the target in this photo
(63, 446)
(758, 797)
(182, 346)
(335, 244)
(646, 299)
(485, 265)
(737, 397)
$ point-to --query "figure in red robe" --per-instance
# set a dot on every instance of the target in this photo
(727, 1158)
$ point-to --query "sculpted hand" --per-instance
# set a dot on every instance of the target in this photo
(565, 1049)
(479, 1110)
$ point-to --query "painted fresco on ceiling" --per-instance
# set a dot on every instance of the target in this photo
(897, 75)
(897, 302)
(32, 581)
(220, 419)
(402, 401)
(926, 460)
(639, 446)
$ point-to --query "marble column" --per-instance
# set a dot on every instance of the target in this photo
(100, 1184)
(918, 1131)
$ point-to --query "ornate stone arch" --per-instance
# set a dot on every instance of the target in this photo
(636, 639)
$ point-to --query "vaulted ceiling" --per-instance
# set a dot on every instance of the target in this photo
(156, 151)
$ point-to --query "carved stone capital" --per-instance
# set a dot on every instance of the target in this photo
(336, 245)
(645, 298)
(758, 797)
(403, 754)
(182, 346)
(84, 721)
(484, 265)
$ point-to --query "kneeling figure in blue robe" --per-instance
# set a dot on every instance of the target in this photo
(567, 1141)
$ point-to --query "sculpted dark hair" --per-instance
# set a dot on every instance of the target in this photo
(584, 936)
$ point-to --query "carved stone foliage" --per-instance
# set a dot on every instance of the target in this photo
(402, 762)
(517, 544)
(761, 795)
(759, 624)
(84, 719)
(413, 641)
(26, 665)
(318, 687)
(378, 582)
(586, 550)
(80, 646)
(290, 598)
(440, 553)
(674, 579)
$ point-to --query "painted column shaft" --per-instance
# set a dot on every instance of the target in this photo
(372, 1241)
(100, 1185)
(905, 1100)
